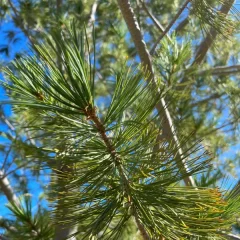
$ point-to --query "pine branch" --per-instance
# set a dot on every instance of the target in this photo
(6, 157)
(152, 51)
(7, 122)
(105, 172)
(90, 113)
(221, 70)
(168, 130)
(62, 231)
(208, 41)
(206, 100)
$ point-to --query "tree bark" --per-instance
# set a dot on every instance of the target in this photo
(168, 130)
(7, 189)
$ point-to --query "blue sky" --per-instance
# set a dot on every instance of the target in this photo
(21, 45)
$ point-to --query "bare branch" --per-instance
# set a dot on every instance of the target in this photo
(29, 137)
(182, 24)
(18, 167)
(168, 130)
(222, 70)
(7, 122)
(169, 26)
(206, 100)
(155, 21)
(6, 157)
(7, 189)
(13, 8)
(208, 41)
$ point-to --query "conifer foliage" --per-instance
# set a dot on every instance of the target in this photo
(110, 173)
(123, 143)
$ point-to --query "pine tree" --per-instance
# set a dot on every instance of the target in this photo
(118, 166)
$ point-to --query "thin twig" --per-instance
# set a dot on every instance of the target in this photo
(18, 167)
(13, 8)
(152, 51)
(221, 70)
(218, 128)
(31, 140)
(11, 163)
(155, 21)
(7, 122)
(6, 157)
(206, 100)
(182, 24)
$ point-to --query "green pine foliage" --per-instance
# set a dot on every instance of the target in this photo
(30, 227)
(210, 16)
(105, 170)
(85, 125)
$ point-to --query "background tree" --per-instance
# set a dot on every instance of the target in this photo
(202, 100)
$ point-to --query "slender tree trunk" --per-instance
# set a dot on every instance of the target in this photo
(168, 130)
